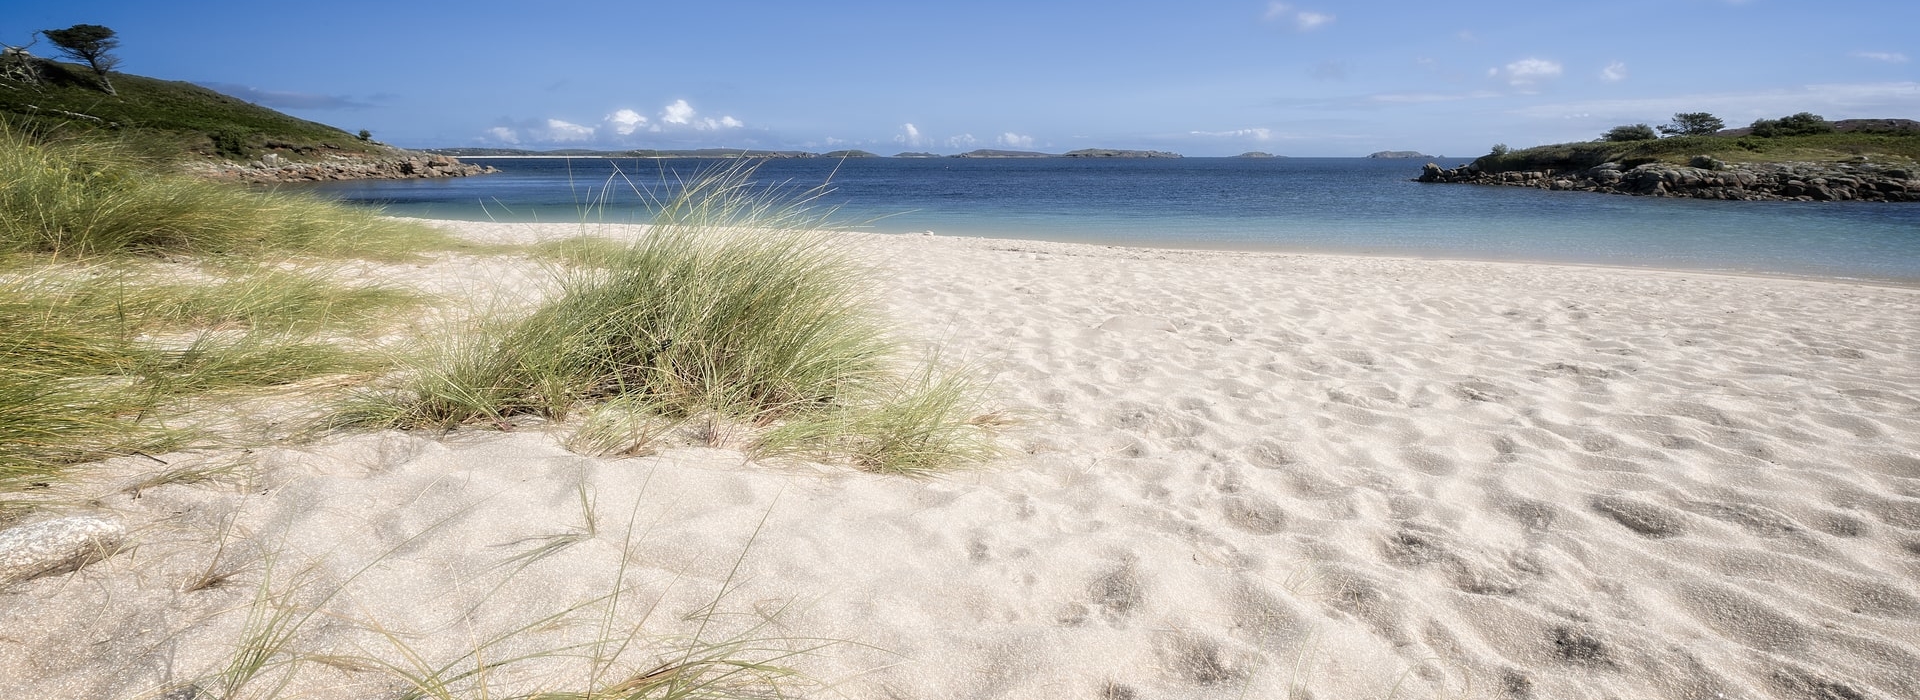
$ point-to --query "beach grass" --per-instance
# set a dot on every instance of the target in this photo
(130, 295)
(740, 306)
(99, 358)
(79, 197)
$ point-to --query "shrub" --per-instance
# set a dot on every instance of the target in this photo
(1802, 124)
(1630, 132)
(1500, 149)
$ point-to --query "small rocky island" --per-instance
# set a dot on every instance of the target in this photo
(1399, 154)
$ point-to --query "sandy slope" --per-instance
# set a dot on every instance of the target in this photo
(1239, 475)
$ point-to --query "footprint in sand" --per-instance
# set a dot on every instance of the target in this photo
(1649, 520)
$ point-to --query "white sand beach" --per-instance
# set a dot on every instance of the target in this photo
(1228, 475)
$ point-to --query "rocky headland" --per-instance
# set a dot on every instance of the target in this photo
(406, 165)
(1708, 178)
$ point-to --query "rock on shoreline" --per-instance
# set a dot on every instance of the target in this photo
(1707, 178)
(272, 168)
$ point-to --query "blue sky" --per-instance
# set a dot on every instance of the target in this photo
(1202, 77)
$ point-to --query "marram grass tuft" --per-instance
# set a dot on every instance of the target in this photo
(739, 304)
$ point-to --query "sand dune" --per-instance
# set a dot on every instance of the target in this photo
(1235, 475)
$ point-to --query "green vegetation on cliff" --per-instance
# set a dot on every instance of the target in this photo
(163, 117)
(1874, 140)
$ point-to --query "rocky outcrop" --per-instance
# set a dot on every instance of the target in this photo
(404, 166)
(1707, 178)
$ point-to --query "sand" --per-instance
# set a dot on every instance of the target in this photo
(1234, 475)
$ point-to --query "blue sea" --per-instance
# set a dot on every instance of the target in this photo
(1337, 205)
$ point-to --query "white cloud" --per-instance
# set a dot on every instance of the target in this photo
(961, 141)
(1257, 134)
(1614, 72)
(561, 130)
(730, 123)
(1881, 56)
(1309, 21)
(503, 135)
(1303, 20)
(910, 135)
(626, 121)
(1527, 72)
(1013, 140)
(677, 113)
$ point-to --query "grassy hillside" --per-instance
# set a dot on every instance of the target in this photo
(165, 117)
(1877, 146)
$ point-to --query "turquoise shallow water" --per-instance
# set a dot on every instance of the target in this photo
(1344, 205)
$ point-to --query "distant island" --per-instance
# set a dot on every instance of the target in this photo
(1399, 154)
(916, 154)
(998, 153)
(1258, 154)
(851, 153)
(1117, 153)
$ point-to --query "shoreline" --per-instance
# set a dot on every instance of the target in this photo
(1891, 283)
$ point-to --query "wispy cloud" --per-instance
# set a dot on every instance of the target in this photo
(1527, 72)
(1415, 98)
(1833, 100)
(282, 99)
(1881, 56)
(961, 141)
(1614, 72)
(1302, 20)
(563, 131)
(504, 135)
(1257, 134)
(1013, 140)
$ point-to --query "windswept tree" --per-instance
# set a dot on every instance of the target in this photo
(1630, 132)
(1693, 124)
(90, 43)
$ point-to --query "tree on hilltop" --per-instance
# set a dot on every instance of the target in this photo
(1630, 132)
(1693, 124)
(91, 43)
